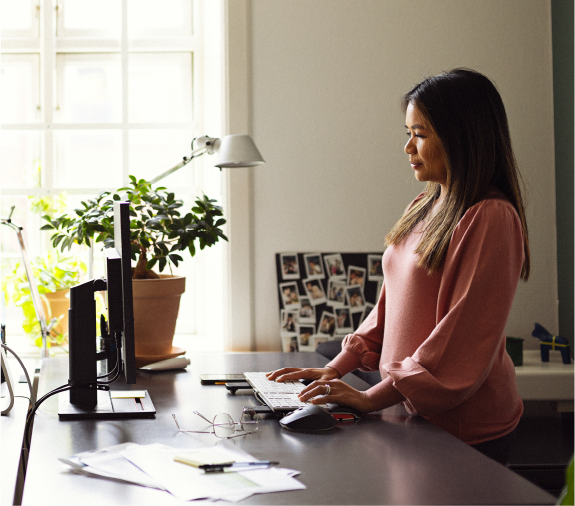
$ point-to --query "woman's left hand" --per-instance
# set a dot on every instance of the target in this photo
(336, 391)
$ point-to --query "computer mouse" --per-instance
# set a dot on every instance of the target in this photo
(309, 417)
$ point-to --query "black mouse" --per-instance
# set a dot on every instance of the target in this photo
(309, 417)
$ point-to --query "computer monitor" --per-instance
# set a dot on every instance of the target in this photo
(90, 396)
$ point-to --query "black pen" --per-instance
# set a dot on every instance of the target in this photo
(220, 468)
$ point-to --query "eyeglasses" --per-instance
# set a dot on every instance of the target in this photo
(225, 427)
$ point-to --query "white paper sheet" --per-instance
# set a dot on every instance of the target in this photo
(154, 466)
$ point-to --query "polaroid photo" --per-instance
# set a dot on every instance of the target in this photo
(355, 298)
(306, 311)
(336, 292)
(374, 268)
(334, 266)
(289, 343)
(289, 321)
(315, 292)
(305, 337)
(290, 266)
(285, 343)
(293, 347)
(368, 309)
(317, 340)
(313, 266)
(290, 295)
(343, 321)
(356, 276)
(327, 324)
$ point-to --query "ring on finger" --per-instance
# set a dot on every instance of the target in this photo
(327, 390)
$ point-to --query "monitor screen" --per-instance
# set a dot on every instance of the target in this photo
(122, 245)
(89, 396)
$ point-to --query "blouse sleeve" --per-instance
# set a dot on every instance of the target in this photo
(362, 349)
(480, 276)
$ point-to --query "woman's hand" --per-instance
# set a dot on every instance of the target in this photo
(296, 373)
(323, 391)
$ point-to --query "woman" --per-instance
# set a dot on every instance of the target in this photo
(451, 269)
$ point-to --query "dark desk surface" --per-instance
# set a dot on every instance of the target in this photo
(12, 436)
(386, 458)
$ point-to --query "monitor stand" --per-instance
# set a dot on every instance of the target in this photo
(107, 408)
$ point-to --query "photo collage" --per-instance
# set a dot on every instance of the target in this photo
(325, 296)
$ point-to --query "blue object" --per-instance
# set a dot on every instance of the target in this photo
(550, 342)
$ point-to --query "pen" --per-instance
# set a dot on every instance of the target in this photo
(220, 468)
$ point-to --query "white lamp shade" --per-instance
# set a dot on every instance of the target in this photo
(237, 151)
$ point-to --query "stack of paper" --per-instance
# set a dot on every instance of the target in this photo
(156, 466)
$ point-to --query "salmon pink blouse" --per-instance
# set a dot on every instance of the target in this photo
(441, 337)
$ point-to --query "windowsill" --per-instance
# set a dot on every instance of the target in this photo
(192, 343)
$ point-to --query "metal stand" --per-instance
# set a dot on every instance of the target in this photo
(90, 399)
(44, 327)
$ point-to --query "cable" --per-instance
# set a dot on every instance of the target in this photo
(21, 365)
(62, 388)
(115, 369)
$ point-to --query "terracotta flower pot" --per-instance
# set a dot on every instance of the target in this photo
(59, 303)
(156, 306)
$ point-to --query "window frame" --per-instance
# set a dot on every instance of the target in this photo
(49, 46)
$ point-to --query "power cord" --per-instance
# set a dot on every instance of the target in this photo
(23, 368)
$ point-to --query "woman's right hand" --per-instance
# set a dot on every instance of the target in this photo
(296, 373)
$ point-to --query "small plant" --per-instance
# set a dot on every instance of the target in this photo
(158, 230)
(52, 272)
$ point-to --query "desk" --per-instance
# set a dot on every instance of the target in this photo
(387, 457)
(12, 433)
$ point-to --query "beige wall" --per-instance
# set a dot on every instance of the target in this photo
(326, 78)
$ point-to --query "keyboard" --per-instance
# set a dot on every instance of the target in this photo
(278, 396)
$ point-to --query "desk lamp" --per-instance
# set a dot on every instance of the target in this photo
(233, 151)
(45, 327)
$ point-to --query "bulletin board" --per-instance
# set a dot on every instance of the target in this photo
(324, 296)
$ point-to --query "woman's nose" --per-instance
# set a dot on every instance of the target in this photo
(409, 147)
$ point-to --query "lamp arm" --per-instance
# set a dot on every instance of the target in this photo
(197, 152)
(36, 302)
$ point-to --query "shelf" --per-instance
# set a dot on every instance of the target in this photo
(545, 381)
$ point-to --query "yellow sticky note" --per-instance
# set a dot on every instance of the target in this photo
(127, 394)
(202, 458)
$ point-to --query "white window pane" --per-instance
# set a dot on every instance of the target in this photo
(102, 18)
(155, 151)
(20, 159)
(30, 223)
(148, 19)
(89, 159)
(160, 87)
(89, 88)
(19, 18)
(20, 88)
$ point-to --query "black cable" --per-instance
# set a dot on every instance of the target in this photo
(118, 366)
(116, 370)
(30, 416)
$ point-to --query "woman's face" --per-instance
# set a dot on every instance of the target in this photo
(424, 149)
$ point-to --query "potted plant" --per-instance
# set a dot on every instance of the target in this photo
(54, 274)
(159, 233)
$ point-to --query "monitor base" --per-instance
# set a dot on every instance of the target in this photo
(107, 408)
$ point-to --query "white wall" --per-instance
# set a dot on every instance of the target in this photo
(326, 79)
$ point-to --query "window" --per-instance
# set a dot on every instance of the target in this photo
(93, 92)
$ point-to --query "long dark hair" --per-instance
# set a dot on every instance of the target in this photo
(465, 110)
